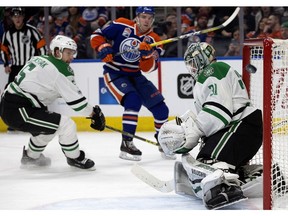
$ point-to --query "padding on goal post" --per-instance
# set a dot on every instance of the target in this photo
(268, 90)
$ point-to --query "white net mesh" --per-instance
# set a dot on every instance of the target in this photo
(279, 114)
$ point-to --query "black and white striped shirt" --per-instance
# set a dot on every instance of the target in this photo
(18, 46)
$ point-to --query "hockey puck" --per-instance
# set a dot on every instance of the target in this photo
(251, 68)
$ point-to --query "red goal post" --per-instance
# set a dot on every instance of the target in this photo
(268, 90)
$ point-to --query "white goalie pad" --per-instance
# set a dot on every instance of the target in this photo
(182, 184)
(198, 171)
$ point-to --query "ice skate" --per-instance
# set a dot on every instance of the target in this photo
(223, 196)
(28, 161)
(129, 151)
(81, 162)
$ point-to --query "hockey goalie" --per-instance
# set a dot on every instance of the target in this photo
(225, 123)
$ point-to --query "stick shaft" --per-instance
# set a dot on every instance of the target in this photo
(229, 20)
(131, 135)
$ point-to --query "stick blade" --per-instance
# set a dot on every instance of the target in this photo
(152, 181)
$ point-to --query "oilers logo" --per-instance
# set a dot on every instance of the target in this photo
(130, 44)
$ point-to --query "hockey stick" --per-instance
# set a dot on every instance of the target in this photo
(151, 180)
(131, 135)
(252, 189)
(227, 22)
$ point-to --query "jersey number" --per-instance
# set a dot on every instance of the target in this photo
(22, 73)
(213, 89)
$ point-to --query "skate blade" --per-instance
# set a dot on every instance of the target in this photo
(126, 156)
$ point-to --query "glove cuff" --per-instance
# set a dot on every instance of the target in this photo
(103, 46)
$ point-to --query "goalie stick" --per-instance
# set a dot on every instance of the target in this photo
(250, 189)
(151, 180)
(204, 31)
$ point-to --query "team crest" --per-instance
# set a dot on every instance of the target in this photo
(130, 44)
(208, 72)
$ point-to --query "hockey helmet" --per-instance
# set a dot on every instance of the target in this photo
(17, 11)
(61, 42)
(197, 57)
(147, 10)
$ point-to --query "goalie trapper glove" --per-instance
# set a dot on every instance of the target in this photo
(98, 121)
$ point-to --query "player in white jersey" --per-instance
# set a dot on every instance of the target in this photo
(24, 105)
(225, 122)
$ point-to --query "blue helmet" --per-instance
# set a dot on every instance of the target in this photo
(147, 10)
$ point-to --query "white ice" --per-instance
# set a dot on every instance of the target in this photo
(111, 186)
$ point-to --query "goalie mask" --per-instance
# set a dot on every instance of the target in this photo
(61, 42)
(197, 57)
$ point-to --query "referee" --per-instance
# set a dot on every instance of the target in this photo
(19, 43)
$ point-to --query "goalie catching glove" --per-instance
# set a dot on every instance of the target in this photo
(98, 121)
(179, 139)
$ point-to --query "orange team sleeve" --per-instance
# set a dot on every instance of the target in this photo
(97, 40)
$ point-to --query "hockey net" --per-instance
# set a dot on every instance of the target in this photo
(268, 90)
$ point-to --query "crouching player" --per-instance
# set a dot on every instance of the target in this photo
(24, 106)
(226, 123)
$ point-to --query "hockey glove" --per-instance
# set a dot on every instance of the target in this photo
(98, 121)
(171, 136)
(145, 50)
(105, 52)
(192, 135)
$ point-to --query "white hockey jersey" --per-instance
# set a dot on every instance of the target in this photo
(220, 97)
(44, 79)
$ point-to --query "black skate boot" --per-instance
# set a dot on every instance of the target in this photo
(81, 162)
(28, 161)
(129, 151)
(224, 195)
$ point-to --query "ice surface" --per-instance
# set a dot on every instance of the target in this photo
(111, 187)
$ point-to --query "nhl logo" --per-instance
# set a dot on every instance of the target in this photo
(185, 86)
(25, 39)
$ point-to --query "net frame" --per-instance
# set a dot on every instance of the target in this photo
(270, 75)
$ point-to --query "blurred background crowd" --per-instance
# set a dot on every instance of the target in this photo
(79, 22)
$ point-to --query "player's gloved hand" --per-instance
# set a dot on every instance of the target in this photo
(145, 50)
(105, 52)
(98, 121)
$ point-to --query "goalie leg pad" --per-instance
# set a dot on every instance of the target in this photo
(196, 171)
(182, 184)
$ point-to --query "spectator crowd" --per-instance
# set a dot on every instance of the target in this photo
(78, 23)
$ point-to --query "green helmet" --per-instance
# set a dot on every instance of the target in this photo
(197, 57)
